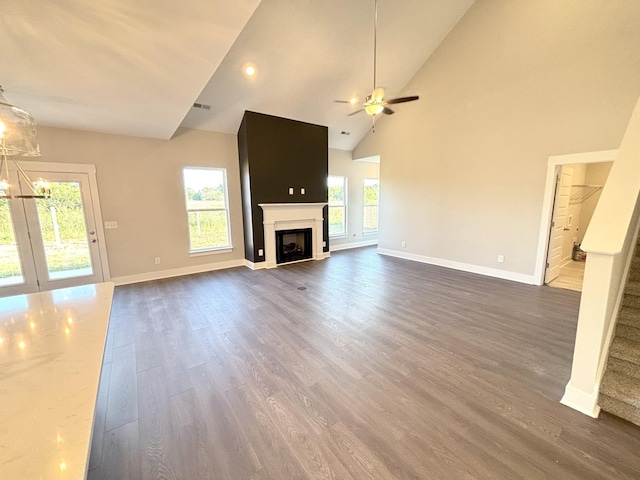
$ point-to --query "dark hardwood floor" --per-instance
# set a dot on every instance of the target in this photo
(356, 367)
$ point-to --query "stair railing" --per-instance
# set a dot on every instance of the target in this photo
(609, 243)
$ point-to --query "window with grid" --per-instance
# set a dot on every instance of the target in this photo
(337, 205)
(207, 208)
(370, 216)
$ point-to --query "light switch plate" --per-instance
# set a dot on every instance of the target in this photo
(109, 225)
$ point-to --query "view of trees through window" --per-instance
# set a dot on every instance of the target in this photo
(9, 259)
(337, 205)
(63, 230)
(207, 209)
(371, 191)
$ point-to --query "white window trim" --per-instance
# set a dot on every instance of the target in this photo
(364, 205)
(212, 250)
(345, 196)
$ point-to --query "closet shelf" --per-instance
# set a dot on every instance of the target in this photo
(583, 192)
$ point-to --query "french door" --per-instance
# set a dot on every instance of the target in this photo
(51, 243)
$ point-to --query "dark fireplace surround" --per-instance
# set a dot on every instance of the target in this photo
(282, 161)
(293, 245)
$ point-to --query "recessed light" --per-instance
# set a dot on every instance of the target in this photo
(250, 70)
(345, 133)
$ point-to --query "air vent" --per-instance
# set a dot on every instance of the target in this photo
(345, 133)
(203, 106)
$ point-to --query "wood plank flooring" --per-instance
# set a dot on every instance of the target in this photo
(379, 369)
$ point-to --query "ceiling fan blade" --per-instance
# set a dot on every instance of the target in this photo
(402, 100)
(341, 101)
(388, 111)
(357, 111)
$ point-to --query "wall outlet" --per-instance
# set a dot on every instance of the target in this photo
(500, 258)
(260, 252)
(404, 244)
(324, 244)
(156, 260)
(109, 225)
(302, 191)
(290, 190)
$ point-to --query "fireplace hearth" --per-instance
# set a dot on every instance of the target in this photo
(293, 245)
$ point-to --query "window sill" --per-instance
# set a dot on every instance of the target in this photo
(339, 235)
(370, 233)
(212, 251)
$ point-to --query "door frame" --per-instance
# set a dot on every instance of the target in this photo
(90, 171)
(554, 167)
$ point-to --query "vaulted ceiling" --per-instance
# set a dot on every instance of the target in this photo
(136, 68)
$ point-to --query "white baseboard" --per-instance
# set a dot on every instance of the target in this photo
(345, 246)
(465, 267)
(584, 402)
(176, 272)
(255, 266)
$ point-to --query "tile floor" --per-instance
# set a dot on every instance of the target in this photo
(571, 276)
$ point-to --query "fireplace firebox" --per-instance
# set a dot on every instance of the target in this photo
(293, 245)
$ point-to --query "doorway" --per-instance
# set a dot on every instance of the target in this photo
(56, 242)
(574, 183)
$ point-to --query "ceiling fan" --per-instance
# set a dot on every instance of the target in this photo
(375, 103)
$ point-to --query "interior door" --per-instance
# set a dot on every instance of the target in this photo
(51, 243)
(558, 223)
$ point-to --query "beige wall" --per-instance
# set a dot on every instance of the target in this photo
(140, 187)
(341, 163)
(463, 169)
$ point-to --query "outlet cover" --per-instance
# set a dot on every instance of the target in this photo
(500, 258)
(260, 252)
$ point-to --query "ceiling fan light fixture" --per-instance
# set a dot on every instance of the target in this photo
(374, 109)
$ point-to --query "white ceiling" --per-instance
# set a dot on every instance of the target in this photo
(136, 67)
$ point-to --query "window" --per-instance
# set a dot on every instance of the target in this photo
(370, 219)
(207, 207)
(337, 206)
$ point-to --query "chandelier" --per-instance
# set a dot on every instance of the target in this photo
(18, 137)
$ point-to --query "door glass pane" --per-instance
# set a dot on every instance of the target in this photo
(10, 269)
(64, 232)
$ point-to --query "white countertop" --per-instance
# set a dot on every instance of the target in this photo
(51, 350)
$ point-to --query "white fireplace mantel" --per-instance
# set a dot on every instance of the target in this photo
(291, 216)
